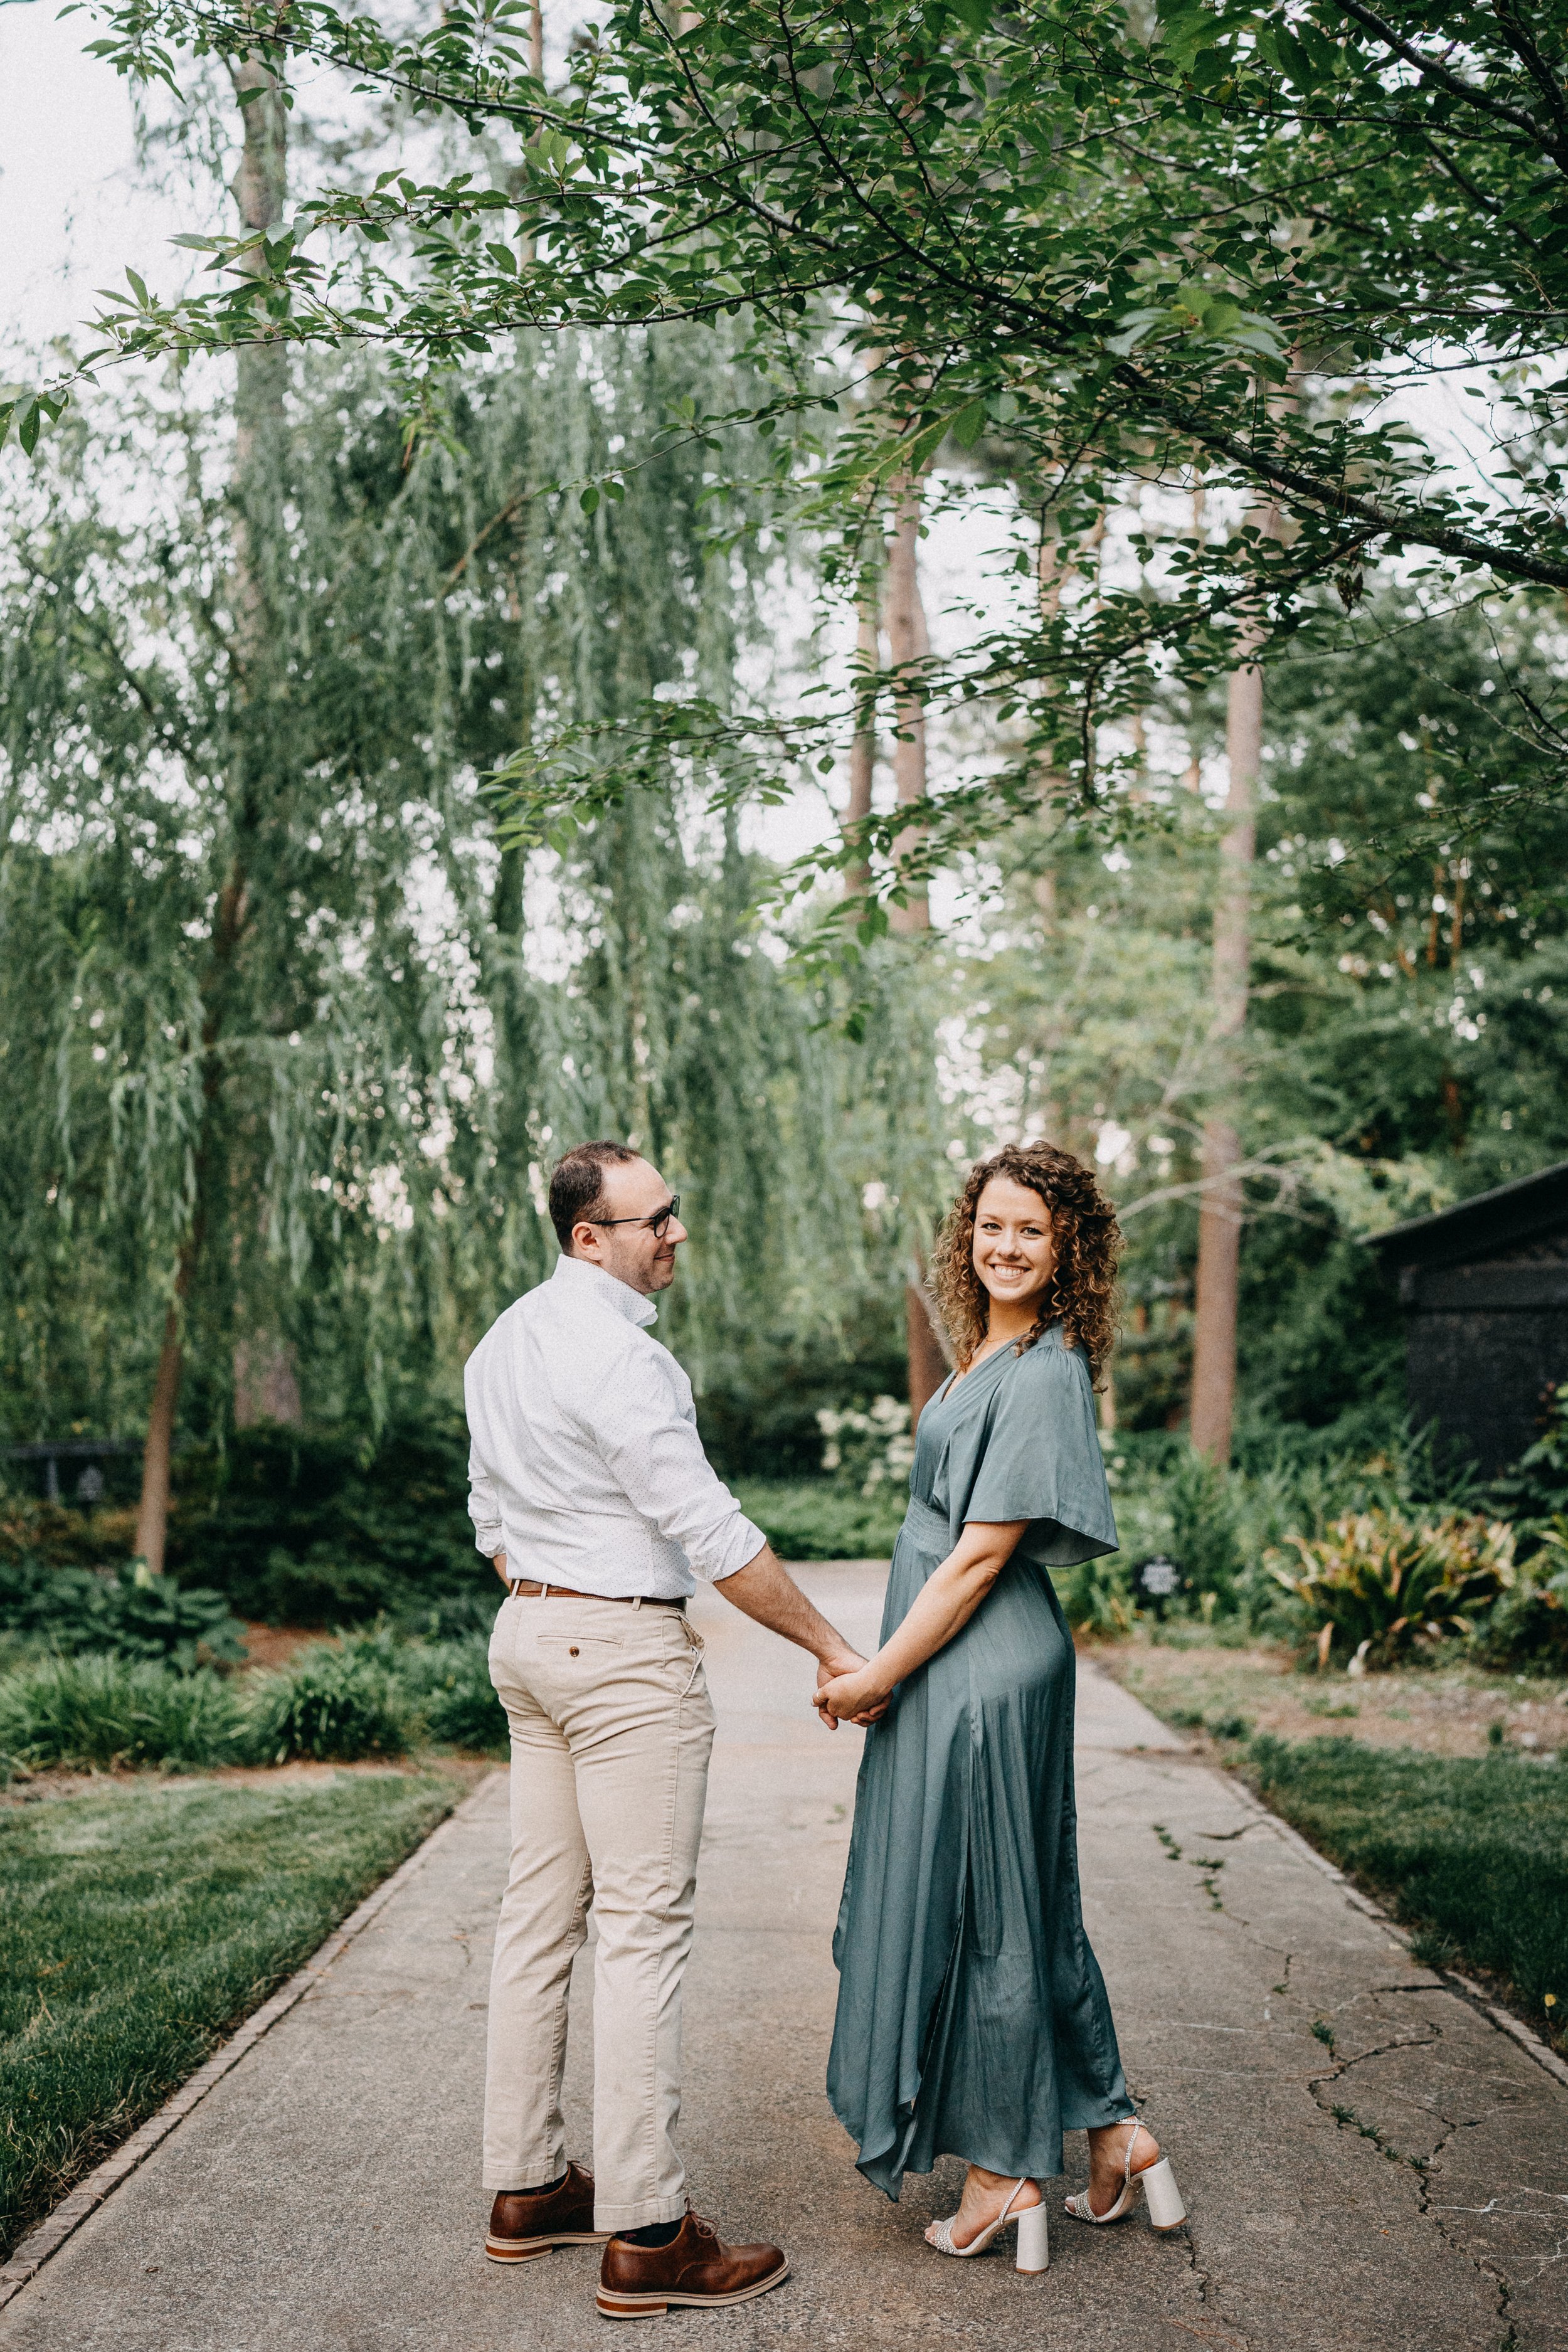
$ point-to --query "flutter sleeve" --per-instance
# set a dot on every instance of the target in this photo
(1037, 1457)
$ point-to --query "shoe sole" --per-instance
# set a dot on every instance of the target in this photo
(651, 2306)
(528, 2249)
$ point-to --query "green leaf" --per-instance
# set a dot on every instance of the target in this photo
(969, 425)
(1184, 33)
(925, 443)
(589, 498)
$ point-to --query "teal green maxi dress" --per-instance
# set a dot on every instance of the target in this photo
(973, 2018)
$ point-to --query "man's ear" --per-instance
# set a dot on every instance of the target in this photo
(581, 1236)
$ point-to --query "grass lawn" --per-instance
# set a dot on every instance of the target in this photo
(1474, 1852)
(141, 1922)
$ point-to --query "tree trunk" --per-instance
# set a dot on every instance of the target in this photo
(928, 1366)
(930, 1358)
(265, 1384)
(908, 642)
(157, 1454)
(863, 743)
(259, 190)
(1221, 1214)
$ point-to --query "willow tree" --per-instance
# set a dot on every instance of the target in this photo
(216, 829)
(291, 1040)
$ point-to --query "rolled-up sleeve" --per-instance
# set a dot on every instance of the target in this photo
(483, 1509)
(655, 1451)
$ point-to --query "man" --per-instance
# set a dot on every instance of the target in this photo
(592, 1493)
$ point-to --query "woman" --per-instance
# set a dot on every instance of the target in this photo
(973, 2018)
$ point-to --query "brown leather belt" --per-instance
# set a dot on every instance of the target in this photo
(525, 1588)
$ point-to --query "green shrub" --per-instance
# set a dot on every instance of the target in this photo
(38, 1598)
(814, 1518)
(1095, 1596)
(1204, 1534)
(1534, 1493)
(866, 1447)
(335, 1703)
(375, 1694)
(140, 1615)
(128, 1611)
(449, 1684)
(1473, 1849)
(470, 1610)
(1378, 1586)
(319, 1526)
(92, 1712)
(1527, 1628)
(58, 1536)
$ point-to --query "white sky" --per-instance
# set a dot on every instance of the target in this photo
(72, 210)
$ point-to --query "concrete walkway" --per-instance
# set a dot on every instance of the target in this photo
(1369, 2162)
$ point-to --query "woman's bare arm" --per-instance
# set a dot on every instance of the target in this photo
(944, 1605)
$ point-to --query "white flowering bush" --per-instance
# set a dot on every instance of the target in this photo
(868, 1447)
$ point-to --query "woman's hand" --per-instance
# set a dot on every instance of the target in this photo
(860, 1697)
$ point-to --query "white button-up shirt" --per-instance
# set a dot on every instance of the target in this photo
(586, 1466)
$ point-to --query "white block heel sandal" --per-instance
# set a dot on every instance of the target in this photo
(1034, 2233)
(1161, 2194)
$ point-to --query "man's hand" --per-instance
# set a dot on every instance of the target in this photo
(836, 1667)
(830, 1665)
(851, 1694)
(498, 1563)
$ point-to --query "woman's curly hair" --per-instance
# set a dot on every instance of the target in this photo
(1081, 1294)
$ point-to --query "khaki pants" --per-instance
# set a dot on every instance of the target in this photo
(611, 1729)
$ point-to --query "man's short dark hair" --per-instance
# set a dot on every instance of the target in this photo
(577, 1186)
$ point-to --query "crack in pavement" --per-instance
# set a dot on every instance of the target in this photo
(1427, 2169)
(1201, 2278)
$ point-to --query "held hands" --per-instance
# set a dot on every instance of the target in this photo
(849, 1691)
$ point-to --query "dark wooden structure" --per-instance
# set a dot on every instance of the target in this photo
(1484, 1292)
(52, 1452)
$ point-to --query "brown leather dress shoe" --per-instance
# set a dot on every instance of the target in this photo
(529, 2221)
(695, 2267)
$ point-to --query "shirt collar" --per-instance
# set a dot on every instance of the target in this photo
(619, 1296)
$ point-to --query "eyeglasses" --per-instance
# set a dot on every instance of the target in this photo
(655, 1223)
